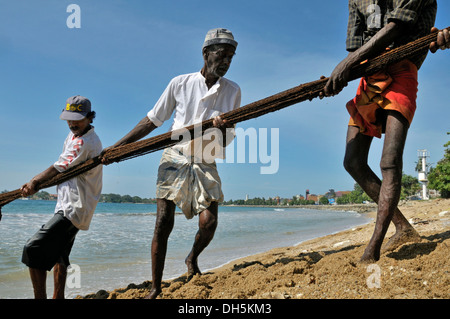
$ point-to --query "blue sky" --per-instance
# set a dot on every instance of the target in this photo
(126, 52)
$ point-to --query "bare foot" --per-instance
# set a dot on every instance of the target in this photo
(400, 238)
(192, 267)
(153, 293)
(370, 256)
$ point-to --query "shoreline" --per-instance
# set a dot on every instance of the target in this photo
(326, 267)
(359, 208)
(238, 259)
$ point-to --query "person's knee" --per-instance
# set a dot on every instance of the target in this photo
(348, 165)
(165, 207)
(208, 222)
(353, 165)
(165, 218)
(391, 163)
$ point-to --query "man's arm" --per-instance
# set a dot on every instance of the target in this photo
(379, 42)
(142, 129)
(32, 186)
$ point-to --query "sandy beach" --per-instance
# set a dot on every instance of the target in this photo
(328, 267)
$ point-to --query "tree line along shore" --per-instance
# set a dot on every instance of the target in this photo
(410, 186)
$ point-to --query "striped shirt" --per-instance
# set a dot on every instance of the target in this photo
(367, 17)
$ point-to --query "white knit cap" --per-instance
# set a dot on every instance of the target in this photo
(219, 35)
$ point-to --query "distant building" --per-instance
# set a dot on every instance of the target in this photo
(277, 199)
(342, 193)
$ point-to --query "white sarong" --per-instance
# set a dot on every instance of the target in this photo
(191, 186)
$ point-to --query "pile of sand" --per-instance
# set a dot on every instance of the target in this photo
(329, 267)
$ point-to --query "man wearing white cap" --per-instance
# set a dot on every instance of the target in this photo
(77, 199)
(185, 177)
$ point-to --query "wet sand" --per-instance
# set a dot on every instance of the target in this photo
(328, 267)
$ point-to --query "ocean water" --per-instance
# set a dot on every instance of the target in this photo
(115, 251)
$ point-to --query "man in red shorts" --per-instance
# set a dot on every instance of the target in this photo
(385, 103)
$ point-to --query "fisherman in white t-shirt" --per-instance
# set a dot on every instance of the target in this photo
(187, 175)
(77, 199)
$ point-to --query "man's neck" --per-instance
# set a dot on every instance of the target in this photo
(210, 79)
(85, 131)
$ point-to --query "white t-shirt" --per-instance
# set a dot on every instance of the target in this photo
(187, 97)
(78, 197)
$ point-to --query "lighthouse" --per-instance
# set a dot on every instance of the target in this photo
(423, 179)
